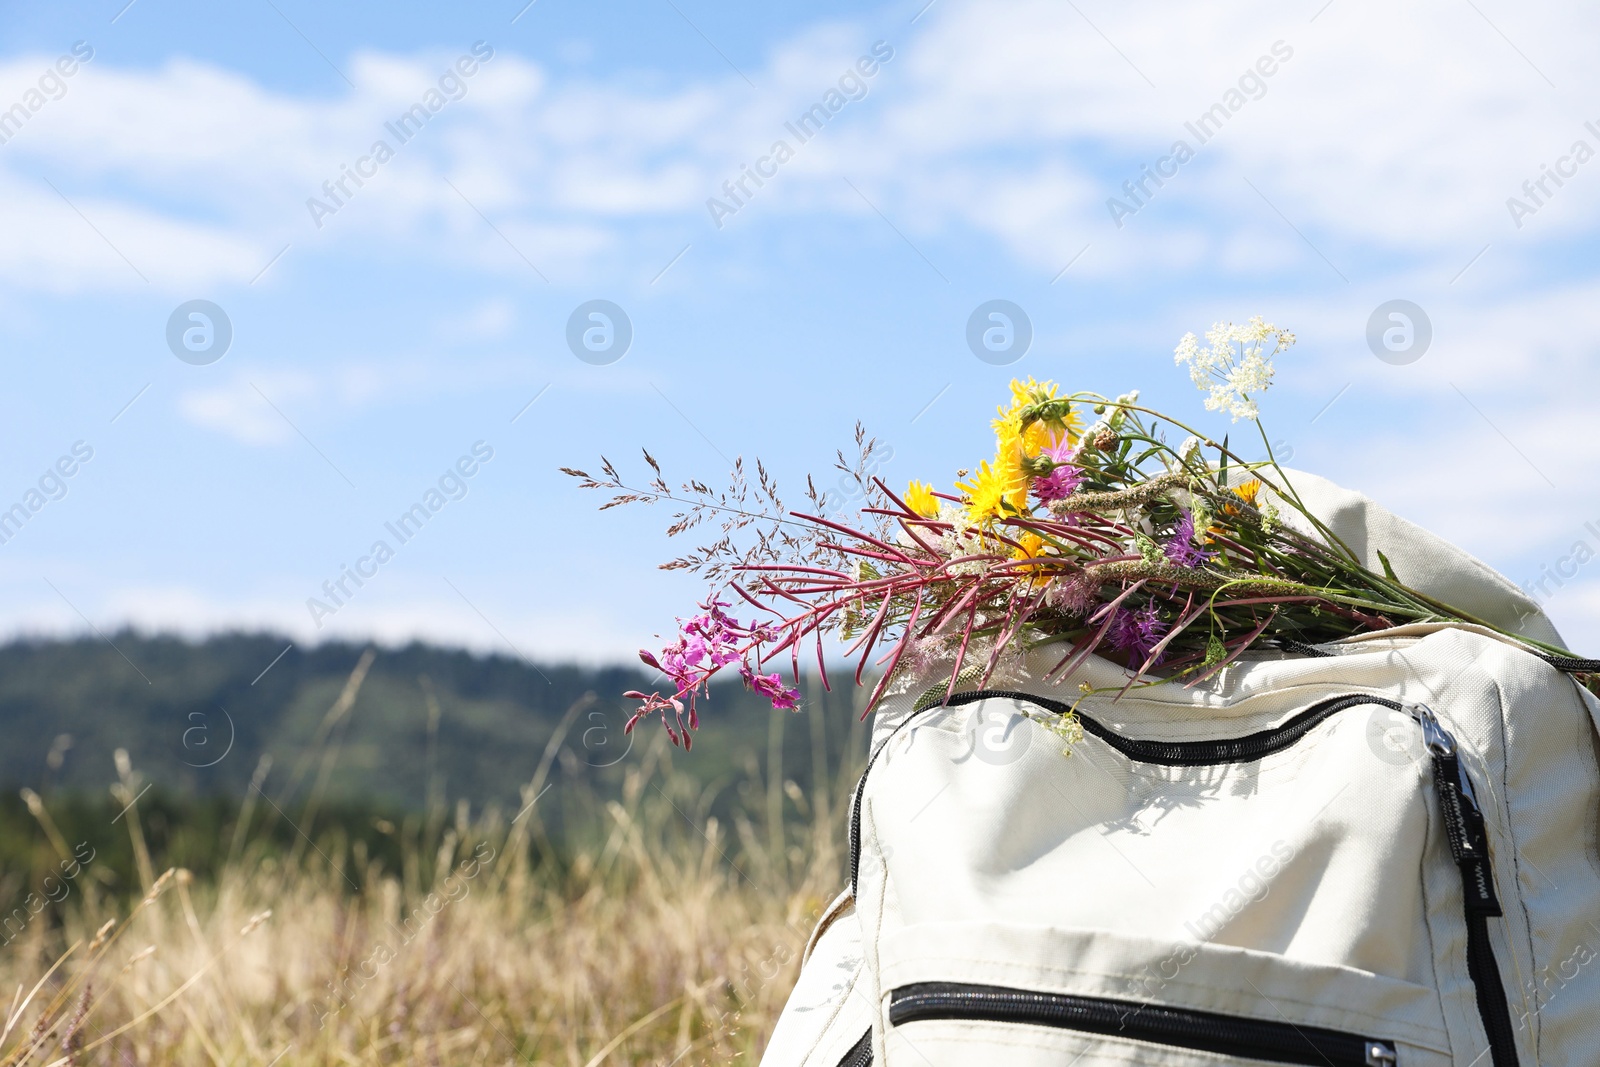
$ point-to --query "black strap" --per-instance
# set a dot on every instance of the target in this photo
(1570, 664)
(860, 1054)
(1300, 648)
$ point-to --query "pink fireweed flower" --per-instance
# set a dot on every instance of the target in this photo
(655, 703)
(784, 698)
(1064, 476)
(1181, 549)
(1137, 632)
(706, 643)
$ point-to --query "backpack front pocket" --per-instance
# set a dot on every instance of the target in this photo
(1172, 1028)
(1303, 876)
(1045, 994)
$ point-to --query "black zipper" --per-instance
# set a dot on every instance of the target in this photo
(1173, 754)
(860, 1054)
(1246, 749)
(1463, 819)
(1469, 844)
(1198, 1031)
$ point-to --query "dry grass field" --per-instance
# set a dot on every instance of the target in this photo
(673, 938)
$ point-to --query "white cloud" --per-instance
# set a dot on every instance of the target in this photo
(1018, 119)
(489, 320)
(246, 404)
(411, 609)
(243, 411)
(69, 242)
(1391, 139)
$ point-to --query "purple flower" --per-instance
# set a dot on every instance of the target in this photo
(1077, 595)
(710, 637)
(706, 643)
(771, 686)
(694, 650)
(1064, 477)
(1181, 549)
(1137, 632)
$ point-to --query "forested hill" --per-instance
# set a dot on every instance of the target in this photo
(427, 723)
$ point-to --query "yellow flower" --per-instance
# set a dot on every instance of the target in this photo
(986, 495)
(1001, 490)
(1031, 546)
(920, 499)
(1248, 492)
(1009, 469)
(1041, 433)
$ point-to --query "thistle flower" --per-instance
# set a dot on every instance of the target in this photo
(1075, 596)
(1228, 375)
(1182, 549)
(1063, 477)
(1136, 632)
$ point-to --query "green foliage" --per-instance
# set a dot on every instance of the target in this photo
(430, 729)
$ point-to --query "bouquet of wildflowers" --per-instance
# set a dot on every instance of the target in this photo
(1088, 530)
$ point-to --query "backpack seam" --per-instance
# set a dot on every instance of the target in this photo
(849, 990)
(878, 1027)
(845, 901)
(1435, 835)
(1504, 803)
(1591, 720)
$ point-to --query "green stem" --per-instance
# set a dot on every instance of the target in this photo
(1300, 505)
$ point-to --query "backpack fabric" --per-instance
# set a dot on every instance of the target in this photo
(1380, 851)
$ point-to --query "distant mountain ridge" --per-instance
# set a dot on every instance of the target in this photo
(196, 718)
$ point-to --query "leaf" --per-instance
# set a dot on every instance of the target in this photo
(1146, 454)
(1388, 570)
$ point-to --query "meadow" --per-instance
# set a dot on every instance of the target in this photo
(661, 922)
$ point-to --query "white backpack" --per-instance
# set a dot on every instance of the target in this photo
(1380, 851)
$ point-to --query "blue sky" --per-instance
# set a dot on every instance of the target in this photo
(371, 352)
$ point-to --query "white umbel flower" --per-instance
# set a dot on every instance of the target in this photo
(1235, 365)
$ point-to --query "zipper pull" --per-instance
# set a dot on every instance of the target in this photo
(1439, 741)
(1381, 1054)
(1463, 819)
